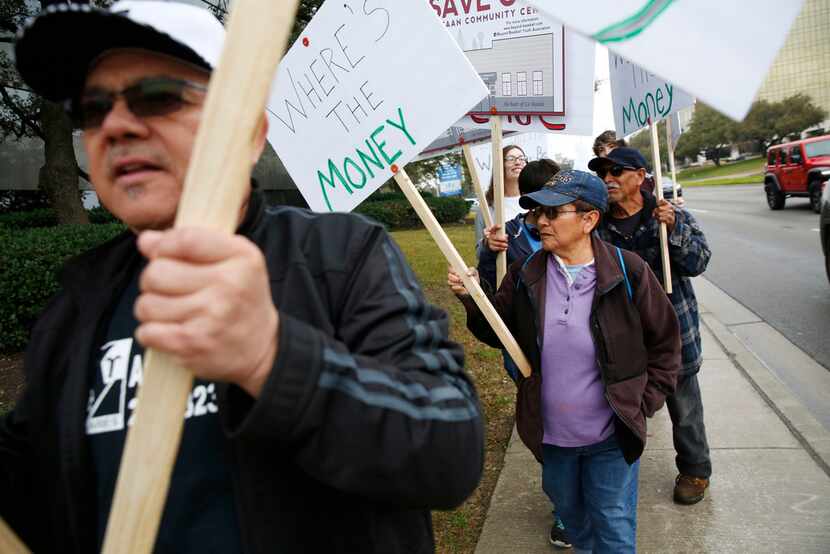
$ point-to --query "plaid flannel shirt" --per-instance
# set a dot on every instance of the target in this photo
(689, 255)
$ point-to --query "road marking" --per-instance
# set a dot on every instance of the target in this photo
(816, 230)
(698, 210)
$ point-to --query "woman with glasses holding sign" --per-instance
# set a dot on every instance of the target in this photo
(604, 345)
(514, 161)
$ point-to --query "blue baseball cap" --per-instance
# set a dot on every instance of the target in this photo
(565, 187)
(624, 156)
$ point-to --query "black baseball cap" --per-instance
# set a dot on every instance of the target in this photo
(624, 156)
(54, 50)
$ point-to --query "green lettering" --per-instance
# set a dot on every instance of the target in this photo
(642, 119)
(659, 97)
(380, 146)
(670, 90)
(402, 126)
(628, 114)
(365, 159)
(652, 111)
(346, 163)
(333, 171)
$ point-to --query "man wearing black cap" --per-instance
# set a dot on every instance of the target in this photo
(330, 410)
(633, 223)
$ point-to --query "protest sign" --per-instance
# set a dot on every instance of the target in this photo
(357, 97)
(579, 106)
(717, 51)
(640, 97)
(516, 50)
(449, 179)
(535, 146)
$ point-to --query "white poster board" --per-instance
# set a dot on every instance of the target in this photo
(357, 97)
(535, 146)
(579, 106)
(517, 51)
(718, 51)
(639, 96)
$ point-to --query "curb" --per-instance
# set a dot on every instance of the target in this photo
(813, 436)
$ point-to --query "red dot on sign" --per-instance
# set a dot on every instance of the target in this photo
(306, 42)
(493, 110)
(394, 168)
(461, 139)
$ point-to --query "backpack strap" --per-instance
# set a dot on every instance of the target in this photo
(625, 274)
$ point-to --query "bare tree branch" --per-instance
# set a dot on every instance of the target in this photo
(26, 120)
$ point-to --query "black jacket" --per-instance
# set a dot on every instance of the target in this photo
(518, 248)
(366, 422)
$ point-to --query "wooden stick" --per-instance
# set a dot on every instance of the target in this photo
(216, 183)
(498, 191)
(658, 187)
(482, 198)
(9, 543)
(670, 146)
(458, 265)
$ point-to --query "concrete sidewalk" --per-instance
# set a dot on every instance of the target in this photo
(770, 489)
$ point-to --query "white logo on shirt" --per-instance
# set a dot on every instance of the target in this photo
(121, 375)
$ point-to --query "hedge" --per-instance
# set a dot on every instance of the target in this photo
(30, 260)
(399, 214)
(46, 217)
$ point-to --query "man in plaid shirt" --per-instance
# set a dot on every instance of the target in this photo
(633, 223)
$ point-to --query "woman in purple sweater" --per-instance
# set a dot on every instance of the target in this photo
(604, 345)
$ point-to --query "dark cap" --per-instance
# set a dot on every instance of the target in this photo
(55, 50)
(624, 156)
(567, 186)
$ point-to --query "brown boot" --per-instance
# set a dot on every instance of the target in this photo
(689, 489)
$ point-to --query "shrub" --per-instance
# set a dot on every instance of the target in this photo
(399, 214)
(39, 217)
(22, 200)
(30, 261)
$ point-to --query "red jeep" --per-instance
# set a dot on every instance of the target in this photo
(797, 169)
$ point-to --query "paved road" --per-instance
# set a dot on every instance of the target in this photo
(771, 262)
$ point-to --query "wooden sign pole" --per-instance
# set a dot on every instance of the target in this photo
(658, 189)
(9, 543)
(670, 146)
(458, 265)
(498, 191)
(217, 180)
(482, 198)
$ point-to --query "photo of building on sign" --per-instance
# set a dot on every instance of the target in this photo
(517, 53)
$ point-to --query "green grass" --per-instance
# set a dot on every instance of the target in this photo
(748, 180)
(755, 165)
(457, 531)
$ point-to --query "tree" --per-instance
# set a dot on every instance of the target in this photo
(709, 132)
(642, 142)
(771, 122)
(24, 114)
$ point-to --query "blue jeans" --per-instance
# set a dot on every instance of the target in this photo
(688, 432)
(595, 493)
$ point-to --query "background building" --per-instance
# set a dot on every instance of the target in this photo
(803, 64)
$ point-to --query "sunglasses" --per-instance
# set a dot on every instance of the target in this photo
(615, 170)
(148, 97)
(552, 213)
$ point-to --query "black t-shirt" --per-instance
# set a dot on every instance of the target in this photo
(200, 514)
(626, 225)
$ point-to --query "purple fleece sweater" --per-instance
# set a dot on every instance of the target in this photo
(575, 411)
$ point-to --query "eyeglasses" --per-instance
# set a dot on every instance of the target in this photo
(148, 97)
(615, 171)
(552, 213)
(511, 159)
